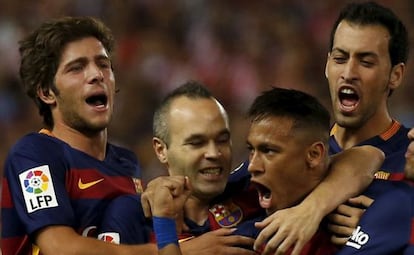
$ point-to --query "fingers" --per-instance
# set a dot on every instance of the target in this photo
(341, 231)
(268, 227)
(232, 240)
(344, 220)
(223, 231)
(146, 206)
(165, 196)
(237, 240)
(281, 242)
(339, 240)
(361, 201)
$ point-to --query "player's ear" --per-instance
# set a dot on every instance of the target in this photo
(46, 95)
(160, 149)
(397, 73)
(326, 65)
(315, 154)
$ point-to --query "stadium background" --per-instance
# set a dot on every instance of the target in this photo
(236, 47)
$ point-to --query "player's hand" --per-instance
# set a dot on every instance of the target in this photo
(165, 196)
(344, 220)
(409, 157)
(291, 227)
(218, 242)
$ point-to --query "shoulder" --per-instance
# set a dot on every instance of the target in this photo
(122, 153)
(123, 158)
(396, 194)
(35, 146)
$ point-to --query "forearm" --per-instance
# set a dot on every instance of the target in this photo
(170, 250)
(350, 173)
(65, 241)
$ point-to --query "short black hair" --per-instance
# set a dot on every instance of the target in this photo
(371, 13)
(305, 110)
(191, 89)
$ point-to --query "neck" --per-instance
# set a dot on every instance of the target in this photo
(348, 137)
(93, 144)
(196, 210)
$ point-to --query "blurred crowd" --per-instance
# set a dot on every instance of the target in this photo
(236, 47)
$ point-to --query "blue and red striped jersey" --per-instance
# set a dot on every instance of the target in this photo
(393, 142)
(387, 226)
(47, 182)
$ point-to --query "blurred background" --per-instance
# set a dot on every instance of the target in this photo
(236, 47)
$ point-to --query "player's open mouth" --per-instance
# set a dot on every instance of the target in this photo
(265, 195)
(348, 98)
(97, 100)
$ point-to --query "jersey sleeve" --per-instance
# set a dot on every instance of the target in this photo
(385, 227)
(124, 222)
(35, 175)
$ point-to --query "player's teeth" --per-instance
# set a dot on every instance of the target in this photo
(347, 91)
(212, 171)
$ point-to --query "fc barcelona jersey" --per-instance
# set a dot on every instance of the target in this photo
(387, 225)
(47, 182)
(319, 244)
(238, 203)
(393, 142)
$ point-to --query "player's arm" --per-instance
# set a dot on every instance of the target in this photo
(350, 173)
(164, 205)
(164, 200)
(65, 241)
(217, 242)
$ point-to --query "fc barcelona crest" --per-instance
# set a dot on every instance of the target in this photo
(382, 175)
(227, 214)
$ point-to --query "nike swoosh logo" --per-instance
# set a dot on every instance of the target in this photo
(87, 185)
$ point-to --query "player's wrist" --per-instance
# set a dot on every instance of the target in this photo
(165, 231)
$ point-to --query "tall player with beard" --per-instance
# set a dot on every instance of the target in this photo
(365, 64)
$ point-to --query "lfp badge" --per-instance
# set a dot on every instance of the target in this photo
(37, 188)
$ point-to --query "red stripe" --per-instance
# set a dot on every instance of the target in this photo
(109, 187)
(396, 176)
(6, 201)
(16, 245)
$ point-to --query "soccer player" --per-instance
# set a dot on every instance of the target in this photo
(58, 182)
(365, 64)
(192, 138)
(288, 144)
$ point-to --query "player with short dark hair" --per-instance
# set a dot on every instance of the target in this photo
(366, 63)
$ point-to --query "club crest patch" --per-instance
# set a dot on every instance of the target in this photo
(110, 237)
(37, 188)
(382, 175)
(227, 215)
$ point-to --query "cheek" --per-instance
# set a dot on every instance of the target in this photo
(182, 163)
